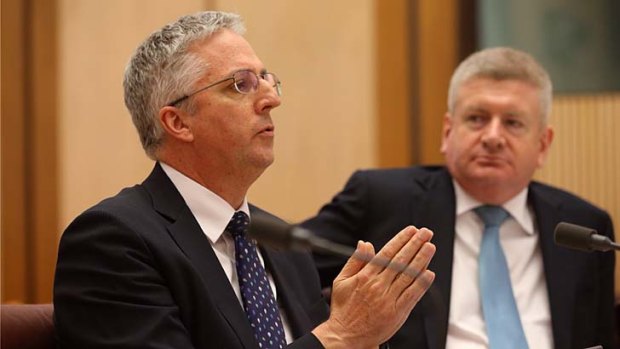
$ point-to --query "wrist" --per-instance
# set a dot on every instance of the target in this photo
(333, 336)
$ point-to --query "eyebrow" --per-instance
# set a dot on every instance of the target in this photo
(262, 71)
(476, 109)
(479, 109)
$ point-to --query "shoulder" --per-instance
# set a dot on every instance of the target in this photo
(129, 204)
(566, 206)
(123, 218)
(402, 172)
(563, 199)
(400, 175)
(393, 182)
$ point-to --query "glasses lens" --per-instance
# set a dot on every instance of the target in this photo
(273, 80)
(245, 81)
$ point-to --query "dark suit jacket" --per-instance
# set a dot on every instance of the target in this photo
(136, 271)
(376, 204)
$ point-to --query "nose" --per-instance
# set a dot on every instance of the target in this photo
(493, 135)
(268, 97)
(271, 81)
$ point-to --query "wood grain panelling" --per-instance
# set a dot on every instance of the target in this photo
(31, 232)
(437, 51)
(394, 62)
(417, 50)
(13, 164)
(42, 154)
(585, 155)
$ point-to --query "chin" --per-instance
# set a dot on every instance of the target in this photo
(489, 178)
(263, 161)
(491, 172)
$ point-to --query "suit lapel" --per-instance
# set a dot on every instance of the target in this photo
(432, 209)
(560, 279)
(435, 208)
(298, 320)
(188, 235)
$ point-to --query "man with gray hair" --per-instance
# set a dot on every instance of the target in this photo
(501, 282)
(168, 264)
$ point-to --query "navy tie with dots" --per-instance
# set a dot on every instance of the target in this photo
(499, 307)
(258, 299)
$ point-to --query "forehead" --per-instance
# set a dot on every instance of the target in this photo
(225, 52)
(480, 92)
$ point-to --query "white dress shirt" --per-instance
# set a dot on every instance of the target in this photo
(213, 214)
(519, 239)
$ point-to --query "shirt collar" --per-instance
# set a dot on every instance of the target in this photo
(211, 211)
(517, 206)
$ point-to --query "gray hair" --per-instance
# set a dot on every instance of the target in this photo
(503, 63)
(163, 68)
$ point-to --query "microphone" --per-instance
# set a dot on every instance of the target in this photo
(582, 238)
(281, 235)
(278, 234)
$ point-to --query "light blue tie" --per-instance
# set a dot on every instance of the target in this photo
(500, 312)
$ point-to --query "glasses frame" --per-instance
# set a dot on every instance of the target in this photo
(261, 75)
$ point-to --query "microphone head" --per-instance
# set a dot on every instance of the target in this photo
(574, 236)
(270, 230)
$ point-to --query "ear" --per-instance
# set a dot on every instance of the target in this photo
(546, 138)
(445, 132)
(174, 122)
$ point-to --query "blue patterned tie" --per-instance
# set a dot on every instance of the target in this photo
(499, 308)
(258, 299)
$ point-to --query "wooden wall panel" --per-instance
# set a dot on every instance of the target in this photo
(41, 153)
(29, 152)
(437, 50)
(394, 85)
(585, 155)
(13, 162)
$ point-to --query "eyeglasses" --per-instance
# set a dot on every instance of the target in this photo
(244, 81)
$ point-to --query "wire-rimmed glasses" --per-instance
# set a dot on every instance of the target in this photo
(244, 81)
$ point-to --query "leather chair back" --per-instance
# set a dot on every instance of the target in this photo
(27, 326)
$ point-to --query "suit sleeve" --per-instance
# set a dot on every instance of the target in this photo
(108, 292)
(606, 325)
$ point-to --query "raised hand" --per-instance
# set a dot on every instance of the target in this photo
(374, 294)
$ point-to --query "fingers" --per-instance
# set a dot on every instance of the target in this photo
(373, 294)
(397, 264)
(385, 255)
(412, 294)
(401, 262)
(414, 270)
(363, 253)
(420, 261)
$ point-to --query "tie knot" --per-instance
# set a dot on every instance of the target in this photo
(238, 224)
(492, 216)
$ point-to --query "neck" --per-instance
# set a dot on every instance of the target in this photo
(228, 183)
(489, 193)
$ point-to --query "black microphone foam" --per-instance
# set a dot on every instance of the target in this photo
(270, 231)
(582, 238)
(278, 234)
(574, 236)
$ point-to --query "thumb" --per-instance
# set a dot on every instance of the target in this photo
(364, 252)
